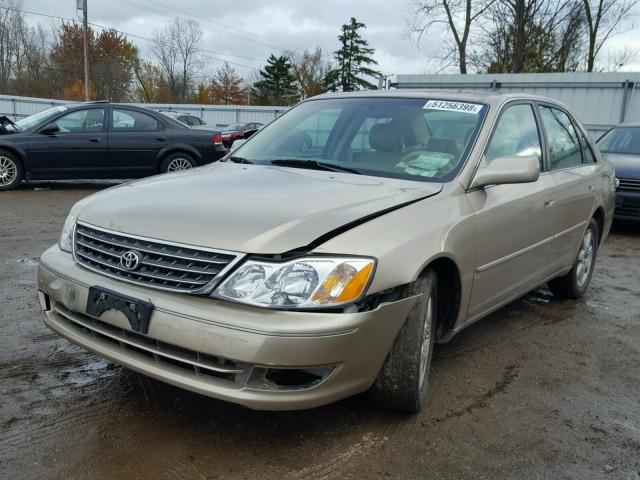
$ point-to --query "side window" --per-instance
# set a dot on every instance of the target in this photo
(587, 151)
(516, 134)
(132, 121)
(564, 143)
(90, 120)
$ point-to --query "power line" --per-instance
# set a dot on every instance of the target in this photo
(73, 20)
(233, 30)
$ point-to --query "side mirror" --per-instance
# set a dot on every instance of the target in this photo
(50, 129)
(236, 144)
(248, 133)
(508, 169)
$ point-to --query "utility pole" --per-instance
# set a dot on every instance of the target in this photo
(85, 47)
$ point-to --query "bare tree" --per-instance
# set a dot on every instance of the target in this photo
(176, 49)
(459, 17)
(531, 36)
(310, 69)
(604, 18)
(11, 28)
(619, 58)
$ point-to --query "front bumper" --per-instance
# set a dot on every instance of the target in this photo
(349, 347)
(627, 205)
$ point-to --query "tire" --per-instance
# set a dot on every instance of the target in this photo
(403, 382)
(177, 161)
(11, 171)
(575, 283)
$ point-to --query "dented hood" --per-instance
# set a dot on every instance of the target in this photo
(248, 208)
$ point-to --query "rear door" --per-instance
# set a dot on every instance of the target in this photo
(135, 139)
(574, 173)
(514, 227)
(77, 150)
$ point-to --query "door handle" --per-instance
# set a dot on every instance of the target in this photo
(95, 139)
(161, 139)
(549, 203)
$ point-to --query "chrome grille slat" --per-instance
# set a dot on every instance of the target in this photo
(163, 265)
(629, 184)
(142, 274)
(135, 246)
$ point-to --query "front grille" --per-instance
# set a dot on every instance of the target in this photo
(628, 209)
(629, 184)
(163, 265)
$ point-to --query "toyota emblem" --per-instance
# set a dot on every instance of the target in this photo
(130, 260)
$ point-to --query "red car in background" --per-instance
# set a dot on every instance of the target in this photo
(235, 131)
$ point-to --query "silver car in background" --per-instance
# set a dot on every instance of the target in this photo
(326, 255)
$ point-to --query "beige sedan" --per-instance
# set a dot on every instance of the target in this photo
(327, 254)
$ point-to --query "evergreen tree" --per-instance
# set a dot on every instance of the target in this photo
(354, 59)
(277, 83)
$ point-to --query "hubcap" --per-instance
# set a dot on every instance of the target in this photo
(585, 258)
(178, 164)
(8, 171)
(426, 342)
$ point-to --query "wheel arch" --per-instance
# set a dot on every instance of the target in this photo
(449, 294)
(598, 216)
(20, 156)
(179, 148)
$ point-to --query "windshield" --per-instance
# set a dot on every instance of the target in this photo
(621, 140)
(416, 139)
(35, 119)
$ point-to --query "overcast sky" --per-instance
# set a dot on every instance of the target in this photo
(249, 30)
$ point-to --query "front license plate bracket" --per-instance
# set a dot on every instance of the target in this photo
(138, 312)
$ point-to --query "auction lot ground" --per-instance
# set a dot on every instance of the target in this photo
(541, 389)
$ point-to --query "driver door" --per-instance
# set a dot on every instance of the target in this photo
(513, 221)
(77, 150)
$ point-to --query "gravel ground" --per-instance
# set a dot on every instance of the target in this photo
(541, 389)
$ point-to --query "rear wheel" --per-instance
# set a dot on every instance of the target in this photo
(575, 283)
(403, 381)
(176, 162)
(10, 171)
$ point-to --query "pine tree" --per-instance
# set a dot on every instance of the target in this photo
(277, 84)
(354, 59)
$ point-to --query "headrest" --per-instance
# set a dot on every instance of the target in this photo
(385, 137)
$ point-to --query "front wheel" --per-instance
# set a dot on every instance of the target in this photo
(403, 381)
(575, 283)
(10, 171)
(177, 162)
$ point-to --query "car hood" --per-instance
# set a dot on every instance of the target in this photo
(626, 165)
(247, 208)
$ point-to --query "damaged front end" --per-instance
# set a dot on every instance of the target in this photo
(7, 125)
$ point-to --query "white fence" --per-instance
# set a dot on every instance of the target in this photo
(600, 100)
(18, 107)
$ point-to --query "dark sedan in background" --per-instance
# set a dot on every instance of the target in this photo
(97, 140)
(621, 145)
(236, 131)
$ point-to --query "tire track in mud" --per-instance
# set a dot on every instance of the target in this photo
(509, 375)
(334, 468)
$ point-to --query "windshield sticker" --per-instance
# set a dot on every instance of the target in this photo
(453, 106)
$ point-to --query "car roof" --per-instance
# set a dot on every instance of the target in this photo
(490, 97)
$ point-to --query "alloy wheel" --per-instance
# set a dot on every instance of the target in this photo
(178, 164)
(585, 258)
(8, 171)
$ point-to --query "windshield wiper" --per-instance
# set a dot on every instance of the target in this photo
(313, 164)
(238, 160)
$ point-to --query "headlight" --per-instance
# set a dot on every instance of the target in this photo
(302, 283)
(66, 236)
